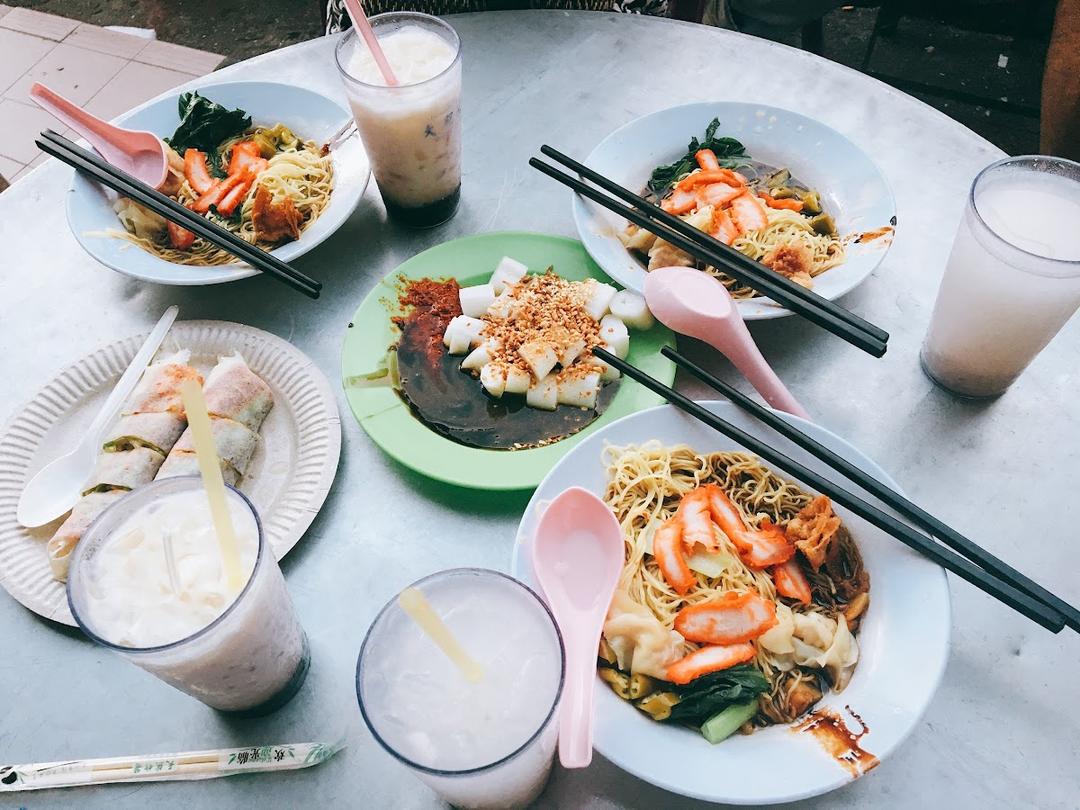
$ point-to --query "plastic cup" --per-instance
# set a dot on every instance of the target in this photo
(479, 745)
(250, 660)
(1013, 278)
(412, 132)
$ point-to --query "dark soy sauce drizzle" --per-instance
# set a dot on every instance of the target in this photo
(453, 404)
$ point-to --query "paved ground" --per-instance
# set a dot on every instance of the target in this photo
(925, 48)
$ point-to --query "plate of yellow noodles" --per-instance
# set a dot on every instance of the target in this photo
(251, 157)
(781, 188)
(763, 644)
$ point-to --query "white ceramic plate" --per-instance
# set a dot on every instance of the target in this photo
(310, 115)
(290, 474)
(852, 188)
(904, 639)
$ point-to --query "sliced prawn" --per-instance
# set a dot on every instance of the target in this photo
(679, 202)
(718, 193)
(704, 178)
(791, 581)
(748, 212)
(759, 548)
(773, 202)
(731, 619)
(708, 659)
(706, 159)
(669, 556)
(693, 516)
(722, 226)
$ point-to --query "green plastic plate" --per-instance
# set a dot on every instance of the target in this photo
(390, 423)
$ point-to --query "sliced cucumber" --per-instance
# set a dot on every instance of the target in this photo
(721, 726)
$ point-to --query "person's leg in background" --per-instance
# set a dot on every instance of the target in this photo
(1060, 126)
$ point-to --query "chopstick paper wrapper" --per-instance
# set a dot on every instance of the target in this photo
(166, 767)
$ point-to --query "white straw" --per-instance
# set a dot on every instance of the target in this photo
(363, 27)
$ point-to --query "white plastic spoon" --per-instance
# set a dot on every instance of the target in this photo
(57, 486)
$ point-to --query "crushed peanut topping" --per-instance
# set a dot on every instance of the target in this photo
(547, 309)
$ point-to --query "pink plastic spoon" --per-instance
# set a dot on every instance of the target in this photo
(578, 555)
(696, 304)
(140, 154)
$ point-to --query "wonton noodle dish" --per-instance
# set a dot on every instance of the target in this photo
(264, 184)
(740, 595)
(758, 209)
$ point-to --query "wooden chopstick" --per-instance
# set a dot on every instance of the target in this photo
(97, 168)
(922, 519)
(965, 569)
(811, 306)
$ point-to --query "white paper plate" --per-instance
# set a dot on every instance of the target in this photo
(904, 638)
(290, 474)
(310, 115)
(852, 188)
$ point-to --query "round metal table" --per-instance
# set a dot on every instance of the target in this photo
(1001, 731)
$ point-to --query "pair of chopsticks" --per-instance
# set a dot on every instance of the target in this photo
(978, 566)
(705, 248)
(97, 168)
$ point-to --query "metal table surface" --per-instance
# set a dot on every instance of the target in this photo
(1001, 732)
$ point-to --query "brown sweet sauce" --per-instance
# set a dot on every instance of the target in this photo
(452, 402)
(840, 742)
(870, 236)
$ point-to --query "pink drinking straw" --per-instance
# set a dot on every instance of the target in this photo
(361, 24)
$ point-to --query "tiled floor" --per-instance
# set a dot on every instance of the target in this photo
(105, 71)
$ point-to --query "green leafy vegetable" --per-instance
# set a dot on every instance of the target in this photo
(707, 696)
(729, 152)
(204, 124)
(721, 726)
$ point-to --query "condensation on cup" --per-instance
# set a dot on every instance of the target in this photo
(412, 132)
(1013, 278)
(147, 581)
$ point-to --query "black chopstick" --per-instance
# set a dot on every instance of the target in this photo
(1019, 601)
(922, 519)
(97, 168)
(811, 306)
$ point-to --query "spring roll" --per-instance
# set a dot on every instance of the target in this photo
(236, 392)
(71, 530)
(155, 431)
(126, 469)
(158, 390)
(234, 442)
(134, 450)
(185, 462)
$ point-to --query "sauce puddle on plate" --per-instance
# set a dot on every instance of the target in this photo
(840, 742)
(452, 402)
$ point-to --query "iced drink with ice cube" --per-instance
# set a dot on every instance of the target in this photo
(483, 744)
(1013, 278)
(147, 580)
(412, 132)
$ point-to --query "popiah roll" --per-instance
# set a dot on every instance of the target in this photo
(185, 462)
(158, 390)
(234, 391)
(71, 530)
(156, 431)
(125, 469)
(234, 442)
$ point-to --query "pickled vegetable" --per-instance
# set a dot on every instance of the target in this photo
(783, 193)
(811, 202)
(658, 705)
(641, 685)
(778, 179)
(618, 681)
(823, 224)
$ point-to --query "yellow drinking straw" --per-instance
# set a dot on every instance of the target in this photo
(210, 468)
(414, 603)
